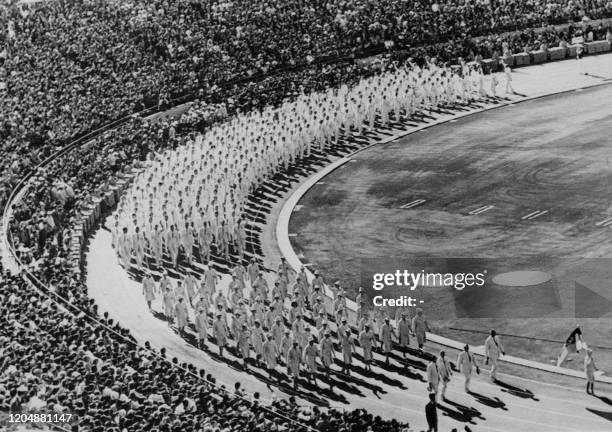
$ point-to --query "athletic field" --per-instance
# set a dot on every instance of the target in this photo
(530, 179)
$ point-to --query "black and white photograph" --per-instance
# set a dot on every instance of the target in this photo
(306, 215)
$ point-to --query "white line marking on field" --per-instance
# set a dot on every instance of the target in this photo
(604, 222)
(482, 209)
(413, 204)
(607, 224)
(540, 214)
(537, 214)
(527, 216)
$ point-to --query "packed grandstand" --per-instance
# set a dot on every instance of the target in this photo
(90, 72)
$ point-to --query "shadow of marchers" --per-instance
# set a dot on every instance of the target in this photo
(289, 390)
(603, 414)
(488, 401)
(455, 415)
(234, 364)
(253, 229)
(604, 399)
(322, 390)
(355, 380)
(255, 201)
(398, 370)
(340, 385)
(413, 352)
(159, 315)
(416, 364)
(460, 108)
(278, 380)
(377, 376)
(516, 391)
(467, 413)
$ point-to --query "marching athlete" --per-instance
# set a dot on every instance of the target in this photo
(493, 351)
(433, 376)
(347, 343)
(294, 358)
(148, 289)
(589, 370)
(201, 325)
(466, 363)
(387, 334)
(508, 75)
(311, 352)
(444, 371)
(404, 330)
(419, 328)
(367, 340)
(220, 333)
(270, 355)
(327, 353)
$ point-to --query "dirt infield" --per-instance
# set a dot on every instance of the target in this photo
(524, 180)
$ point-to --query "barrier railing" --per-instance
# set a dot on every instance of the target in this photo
(549, 54)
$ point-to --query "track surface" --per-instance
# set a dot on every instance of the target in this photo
(550, 154)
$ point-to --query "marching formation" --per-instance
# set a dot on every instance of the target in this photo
(293, 323)
(191, 202)
(301, 325)
(197, 193)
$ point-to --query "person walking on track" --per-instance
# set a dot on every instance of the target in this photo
(466, 363)
(493, 351)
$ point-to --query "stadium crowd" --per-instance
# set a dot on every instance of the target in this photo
(68, 67)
